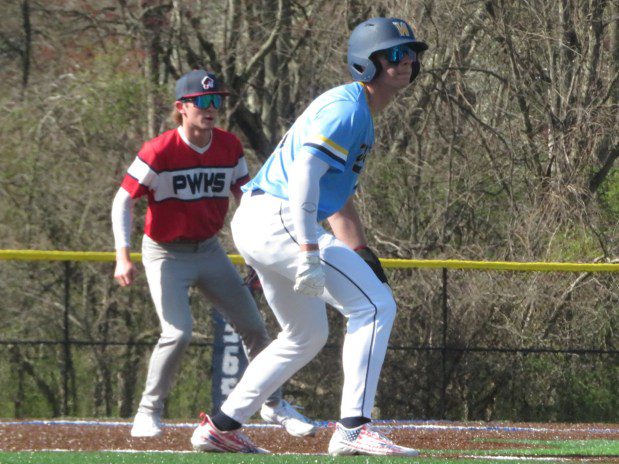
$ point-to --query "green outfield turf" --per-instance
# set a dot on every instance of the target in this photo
(562, 447)
(569, 450)
(51, 457)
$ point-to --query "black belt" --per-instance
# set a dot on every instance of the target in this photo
(257, 192)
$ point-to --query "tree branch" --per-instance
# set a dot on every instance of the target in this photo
(266, 47)
(599, 177)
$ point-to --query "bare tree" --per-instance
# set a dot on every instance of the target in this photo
(504, 148)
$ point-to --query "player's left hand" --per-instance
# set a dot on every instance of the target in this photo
(124, 273)
(310, 278)
(372, 260)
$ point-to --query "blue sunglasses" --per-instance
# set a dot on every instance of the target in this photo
(396, 54)
(204, 101)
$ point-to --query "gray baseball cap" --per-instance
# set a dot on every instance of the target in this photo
(198, 82)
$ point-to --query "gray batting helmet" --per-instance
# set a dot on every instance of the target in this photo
(373, 35)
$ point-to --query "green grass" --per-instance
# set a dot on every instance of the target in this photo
(561, 447)
(602, 448)
(51, 457)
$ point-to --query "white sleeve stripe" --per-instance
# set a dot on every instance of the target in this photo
(329, 145)
(324, 150)
(142, 172)
(240, 170)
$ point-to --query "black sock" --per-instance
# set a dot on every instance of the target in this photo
(272, 403)
(225, 423)
(354, 422)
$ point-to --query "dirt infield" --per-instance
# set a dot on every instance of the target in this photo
(97, 436)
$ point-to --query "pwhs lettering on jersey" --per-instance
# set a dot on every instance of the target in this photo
(193, 184)
(199, 182)
(184, 184)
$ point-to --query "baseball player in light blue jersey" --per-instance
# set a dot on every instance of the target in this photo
(336, 128)
(311, 176)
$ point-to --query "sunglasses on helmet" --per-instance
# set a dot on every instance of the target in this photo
(204, 101)
(396, 54)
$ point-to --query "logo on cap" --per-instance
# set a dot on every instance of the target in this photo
(208, 83)
(402, 28)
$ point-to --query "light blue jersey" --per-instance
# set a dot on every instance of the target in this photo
(337, 127)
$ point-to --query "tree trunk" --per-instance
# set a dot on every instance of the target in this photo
(27, 46)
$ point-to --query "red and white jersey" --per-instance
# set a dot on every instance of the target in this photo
(188, 191)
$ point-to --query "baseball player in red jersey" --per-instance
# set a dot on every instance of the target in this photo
(187, 175)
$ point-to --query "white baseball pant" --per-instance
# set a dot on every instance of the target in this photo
(264, 235)
(171, 269)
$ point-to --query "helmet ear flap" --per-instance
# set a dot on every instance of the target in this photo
(415, 68)
(361, 69)
(376, 64)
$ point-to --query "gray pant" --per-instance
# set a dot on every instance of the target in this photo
(170, 270)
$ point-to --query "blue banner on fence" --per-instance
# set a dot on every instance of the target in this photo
(229, 360)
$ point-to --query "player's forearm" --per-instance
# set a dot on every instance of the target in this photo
(123, 255)
(347, 227)
(304, 193)
(122, 213)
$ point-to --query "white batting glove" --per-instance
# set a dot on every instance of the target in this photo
(310, 279)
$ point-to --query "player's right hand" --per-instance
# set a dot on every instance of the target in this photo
(310, 278)
(372, 260)
(124, 272)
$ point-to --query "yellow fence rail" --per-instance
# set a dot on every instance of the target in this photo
(103, 256)
(444, 348)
